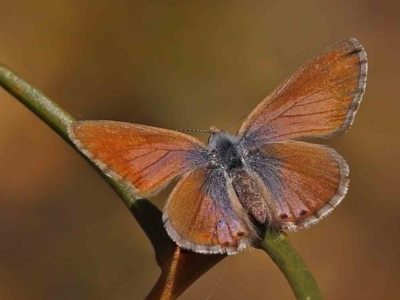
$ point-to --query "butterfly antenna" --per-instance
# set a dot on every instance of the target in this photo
(234, 121)
(194, 130)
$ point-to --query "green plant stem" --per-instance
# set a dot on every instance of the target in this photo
(37, 102)
(277, 245)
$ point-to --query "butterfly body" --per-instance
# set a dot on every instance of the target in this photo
(260, 175)
(236, 164)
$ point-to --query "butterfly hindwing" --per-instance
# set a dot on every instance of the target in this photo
(203, 214)
(307, 181)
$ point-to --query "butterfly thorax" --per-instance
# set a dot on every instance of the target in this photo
(225, 151)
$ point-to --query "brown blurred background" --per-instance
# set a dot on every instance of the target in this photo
(64, 234)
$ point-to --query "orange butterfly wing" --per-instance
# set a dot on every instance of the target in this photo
(319, 100)
(203, 214)
(147, 158)
(307, 181)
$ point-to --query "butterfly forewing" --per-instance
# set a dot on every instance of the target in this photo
(145, 157)
(319, 100)
(204, 215)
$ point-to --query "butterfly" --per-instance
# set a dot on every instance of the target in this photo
(261, 175)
